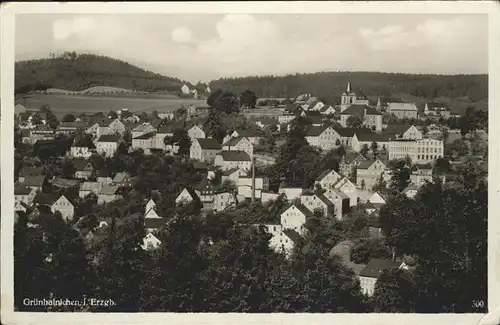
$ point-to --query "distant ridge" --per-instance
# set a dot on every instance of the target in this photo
(77, 72)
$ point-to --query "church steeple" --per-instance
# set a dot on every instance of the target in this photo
(348, 87)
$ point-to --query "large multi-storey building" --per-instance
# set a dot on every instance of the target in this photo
(420, 151)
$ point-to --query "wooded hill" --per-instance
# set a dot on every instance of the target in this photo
(76, 72)
(328, 86)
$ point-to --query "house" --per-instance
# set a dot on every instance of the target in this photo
(327, 110)
(185, 90)
(68, 128)
(369, 275)
(110, 126)
(348, 188)
(150, 205)
(20, 206)
(135, 119)
(145, 142)
(150, 242)
(223, 200)
(24, 194)
(152, 214)
(347, 134)
(375, 202)
(26, 136)
(83, 168)
(349, 163)
(196, 132)
(204, 150)
(328, 179)
(295, 217)
(166, 115)
(318, 202)
(233, 159)
(410, 191)
(285, 118)
(370, 116)
(369, 172)
(264, 160)
(421, 174)
(103, 178)
(56, 203)
(89, 187)
(82, 148)
(239, 144)
(64, 182)
(251, 135)
(402, 110)
(245, 186)
(141, 129)
(35, 182)
(291, 193)
(187, 195)
(124, 180)
(108, 193)
(366, 139)
(232, 175)
(434, 109)
(107, 145)
(284, 241)
(420, 151)
(266, 197)
(324, 137)
(341, 202)
(41, 132)
(29, 171)
(396, 131)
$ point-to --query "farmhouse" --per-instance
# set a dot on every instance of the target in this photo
(369, 172)
(366, 139)
(204, 150)
(56, 203)
(196, 132)
(108, 193)
(83, 168)
(82, 148)
(369, 275)
(233, 159)
(145, 142)
(251, 135)
(324, 137)
(232, 175)
(409, 132)
(24, 194)
(87, 188)
(328, 179)
(143, 128)
(107, 145)
(295, 217)
(349, 162)
(239, 144)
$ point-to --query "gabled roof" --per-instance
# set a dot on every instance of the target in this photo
(377, 137)
(235, 155)
(365, 164)
(376, 266)
(22, 189)
(143, 127)
(30, 171)
(394, 129)
(435, 106)
(145, 136)
(121, 177)
(411, 187)
(352, 156)
(294, 236)
(349, 132)
(305, 211)
(314, 119)
(339, 193)
(324, 199)
(108, 189)
(249, 133)
(46, 198)
(191, 192)
(64, 182)
(109, 138)
(234, 141)
(90, 186)
(326, 173)
(209, 144)
(35, 181)
(359, 110)
(84, 142)
(229, 171)
(402, 106)
(315, 131)
(154, 223)
(325, 108)
(82, 164)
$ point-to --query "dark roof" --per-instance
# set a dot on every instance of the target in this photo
(294, 236)
(423, 166)
(377, 137)
(76, 125)
(82, 164)
(34, 180)
(360, 110)
(235, 155)
(315, 131)
(200, 165)
(233, 141)
(30, 171)
(145, 136)
(248, 133)
(169, 128)
(229, 171)
(349, 132)
(376, 266)
(209, 144)
(437, 106)
(351, 156)
(46, 198)
(366, 164)
(303, 209)
(22, 189)
(394, 129)
(84, 142)
(314, 119)
(109, 138)
(323, 174)
(154, 223)
(324, 199)
(64, 182)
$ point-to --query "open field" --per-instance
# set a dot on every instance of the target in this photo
(64, 104)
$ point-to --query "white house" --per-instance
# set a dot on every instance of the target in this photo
(369, 172)
(150, 205)
(223, 200)
(328, 179)
(107, 145)
(318, 201)
(420, 151)
(24, 194)
(89, 187)
(82, 148)
(359, 140)
(409, 132)
(150, 242)
(239, 144)
(369, 275)
(108, 193)
(233, 159)
(324, 137)
(266, 197)
(196, 132)
(402, 110)
(291, 193)
(204, 150)
(232, 175)
(348, 188)
(142, 129)
(185, 90)
(251, 135)
(295, 218)
(64, 206)
(410, 191)
(245, 186)
(340, 200)
(186, 196)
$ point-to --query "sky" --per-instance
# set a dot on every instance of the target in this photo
(203, 47)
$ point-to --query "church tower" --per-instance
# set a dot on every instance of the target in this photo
(348, 98)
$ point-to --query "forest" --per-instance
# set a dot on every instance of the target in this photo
(75, 72)
(328, 86)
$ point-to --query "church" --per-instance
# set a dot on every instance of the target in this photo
(349, 98)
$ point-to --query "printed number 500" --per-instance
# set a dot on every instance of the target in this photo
(477, 303)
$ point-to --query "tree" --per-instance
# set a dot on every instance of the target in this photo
(400, 175)
(214, 127)
(363, 251)
(112, 115)
(213, 97)
(69, 118)
(248, 99)
(182, 139)
(395, 292)
(374, 149)
(354, 121)
(381, 185)
(227, 102)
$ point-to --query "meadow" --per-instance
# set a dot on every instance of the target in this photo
(75, 104)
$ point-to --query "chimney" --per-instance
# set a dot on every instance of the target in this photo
(364, 116)
(253, 179)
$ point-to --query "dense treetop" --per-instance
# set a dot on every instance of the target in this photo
(71, 71)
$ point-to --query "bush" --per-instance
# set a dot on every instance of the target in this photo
(364, 250)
